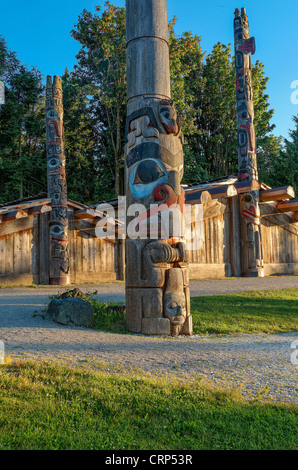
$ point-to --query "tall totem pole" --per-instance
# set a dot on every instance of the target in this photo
(57, 190)
(252, 258)
(157, 281)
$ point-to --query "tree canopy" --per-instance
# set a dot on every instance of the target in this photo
(94, 98)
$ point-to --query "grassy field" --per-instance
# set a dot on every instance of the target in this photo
(45, 406)
(246, 312)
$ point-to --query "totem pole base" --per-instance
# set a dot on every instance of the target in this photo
(60, 281)
(254, 273)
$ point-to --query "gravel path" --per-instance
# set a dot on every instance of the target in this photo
(258, 365)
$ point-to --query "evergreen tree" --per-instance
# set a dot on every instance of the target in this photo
(22, 130)
(102, 64)
(94, 97)
(216, 113)
(285, 165)
(80, 140)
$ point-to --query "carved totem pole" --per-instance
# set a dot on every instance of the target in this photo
(157, 281)
(57, 190)
(252, 258)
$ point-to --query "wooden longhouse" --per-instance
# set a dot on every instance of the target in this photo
(24, 236)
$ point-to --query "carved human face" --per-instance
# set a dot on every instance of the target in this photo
(249, 209)
(175, 307)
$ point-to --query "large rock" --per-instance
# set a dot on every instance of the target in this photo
(70, 311)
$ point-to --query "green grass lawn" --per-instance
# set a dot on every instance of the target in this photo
(246, 312)
(45, 406)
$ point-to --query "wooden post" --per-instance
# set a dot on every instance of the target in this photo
(157, 286)
(57, 190)
(251, 245)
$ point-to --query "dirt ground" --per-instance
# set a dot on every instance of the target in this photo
(258, 365)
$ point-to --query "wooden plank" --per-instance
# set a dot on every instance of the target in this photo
(44, 249)
(288, 206)
(3, 245)
(211, 239)
(281, 269)
(78, 254)
(271, 213)
(75, 205)
(85, 267)
(218, 247)
(25, 205)
(17, 254)
(92, 253)
(196, 254)
(120, 260)
(8, 254)
(223, 192)
(277, 194)
(218, 192)
(11, 215)
(104, 256)
(209, 271)
(235, 237)
(28, 253)
(83, 215)
(16, 225)
(246, 186)
(215, 208)
(205, 197)
(266, 247)
(225, 239)
(39, 209)
(71, 246)
(35, 250)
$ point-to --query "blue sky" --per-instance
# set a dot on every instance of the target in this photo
(40, 34)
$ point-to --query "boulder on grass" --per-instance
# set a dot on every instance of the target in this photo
(70, 311)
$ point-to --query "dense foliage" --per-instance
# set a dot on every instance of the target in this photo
(94, 96)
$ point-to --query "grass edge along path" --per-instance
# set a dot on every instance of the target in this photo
(45, 406)
(271, 311)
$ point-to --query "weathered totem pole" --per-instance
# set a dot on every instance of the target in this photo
(252, 258)
(57, 190)
(157, 281)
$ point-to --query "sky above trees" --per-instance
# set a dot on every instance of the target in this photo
(40, 34)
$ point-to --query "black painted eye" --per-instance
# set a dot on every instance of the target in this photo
(166, 114)
(148, 171)
(54, 162)
(57, 230)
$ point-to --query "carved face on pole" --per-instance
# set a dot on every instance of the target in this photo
(154, 170)
(244, 45)
(57, 190)
(175, 307)
(155, 165)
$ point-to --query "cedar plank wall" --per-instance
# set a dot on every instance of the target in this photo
(24, 255)
(19, 251)
(280, 242)
(91, 259)
(213, 258)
